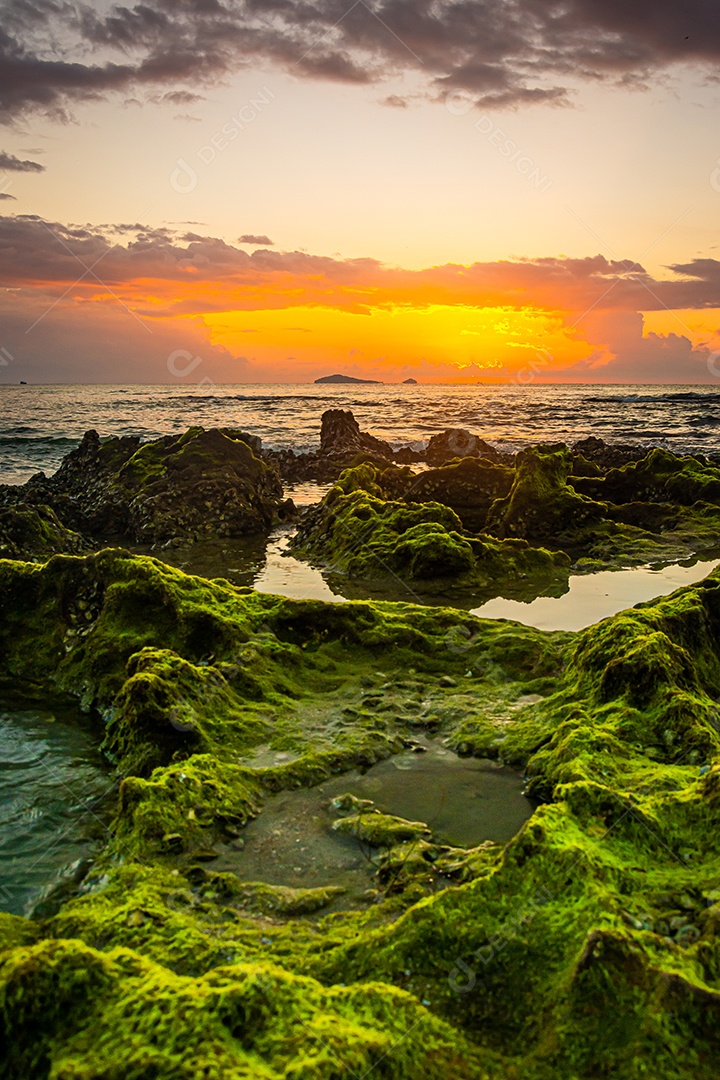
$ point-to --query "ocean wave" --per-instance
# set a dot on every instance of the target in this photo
(37, 440)
(190, 399)
(709, 398)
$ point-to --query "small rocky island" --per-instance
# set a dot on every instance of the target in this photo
(585, 945)
(345, 379)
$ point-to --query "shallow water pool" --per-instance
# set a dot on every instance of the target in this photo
(593, 597)
(53, 789)
(266, 565)
(465, 801)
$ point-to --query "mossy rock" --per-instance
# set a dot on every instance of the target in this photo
(382, 830)
(358, 531)
(660, 477)
(541, 505)
(587, 946)
(36, 532)
(201, 484)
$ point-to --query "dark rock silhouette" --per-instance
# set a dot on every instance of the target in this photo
(345, 379)
(458, 443)
(340, 434)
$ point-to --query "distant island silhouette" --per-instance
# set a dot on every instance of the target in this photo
(346, 379)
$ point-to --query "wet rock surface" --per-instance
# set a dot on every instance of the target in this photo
(460, 443)
(340, 434)
(343, 444)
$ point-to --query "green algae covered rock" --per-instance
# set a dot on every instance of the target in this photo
(541, 504)
(359, 531)
(36, 532)
(661, 508)
(113, 1014)
(469, 486)
(588, 946)
(191, 486)
(203, 483)
(382, 830)
(660, 476)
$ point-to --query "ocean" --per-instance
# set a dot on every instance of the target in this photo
(39, 425)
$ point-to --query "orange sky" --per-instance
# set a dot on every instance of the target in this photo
(265, 315)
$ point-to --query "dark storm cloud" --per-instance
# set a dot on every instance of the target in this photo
(10, 163)
(53, 53)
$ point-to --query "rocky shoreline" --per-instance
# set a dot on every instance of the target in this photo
(586, 946)
(457, 514)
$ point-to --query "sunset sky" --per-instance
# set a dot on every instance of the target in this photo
(453, 190)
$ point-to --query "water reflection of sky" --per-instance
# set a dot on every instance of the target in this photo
(593, 597)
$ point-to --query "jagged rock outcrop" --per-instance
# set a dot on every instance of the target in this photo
(541, 505)
(191, 486)
(342, 444)
(458, 443)
(607, 455)
(340, 434)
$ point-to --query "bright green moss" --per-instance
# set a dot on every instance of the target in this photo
(35, 533)
(356, 531)
(378, 523)
(541, 504)
(240, 1022)
(586, 947)
(660, 477)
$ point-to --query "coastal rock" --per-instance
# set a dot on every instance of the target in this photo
(203, 483)
(382, 830)
(340, 434)
(36, 533)
(469, 486)
(458, 443)
(361, 529)
(607, 455)
(163, 967)
(342, 444)
(658, 477)
(200, 484)
(541, 504)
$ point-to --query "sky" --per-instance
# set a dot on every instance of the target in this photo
(447, 190)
